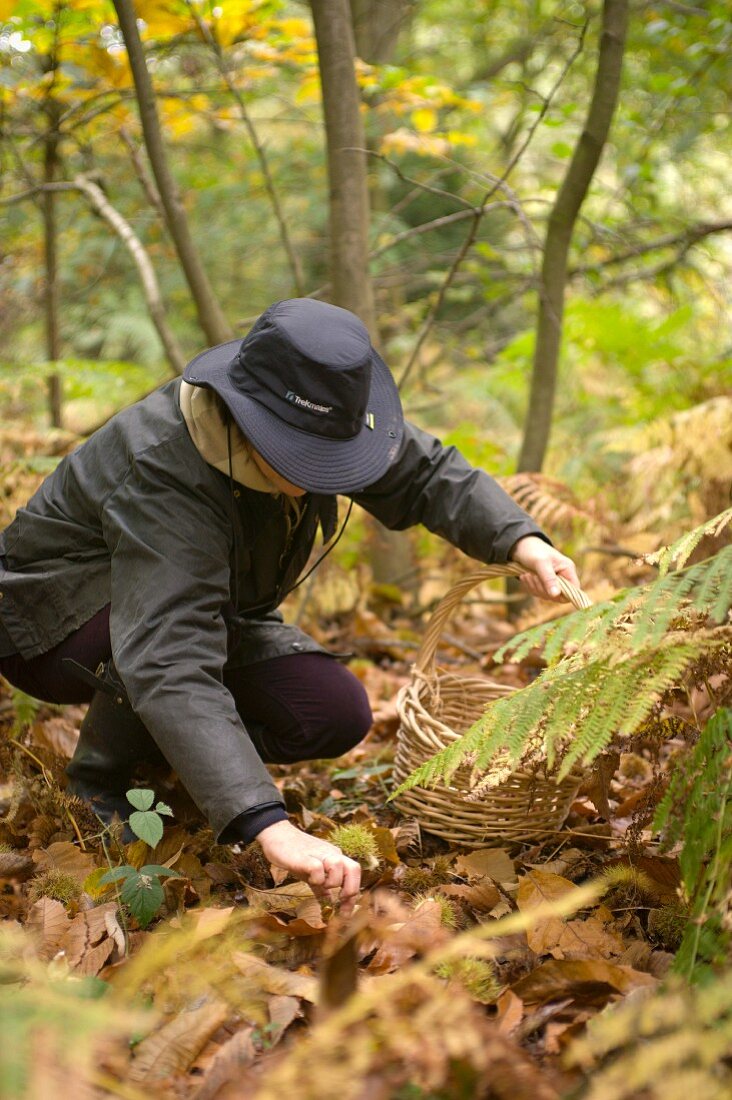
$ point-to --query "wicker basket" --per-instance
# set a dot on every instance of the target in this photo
(435, 709)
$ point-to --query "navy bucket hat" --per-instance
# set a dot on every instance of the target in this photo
(311, 394)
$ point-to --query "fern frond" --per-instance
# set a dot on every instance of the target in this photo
(670, 1045)
(650, 611)
(679, 552)
(571, 712)
(697, 808)
(551, 503)
(621, 697)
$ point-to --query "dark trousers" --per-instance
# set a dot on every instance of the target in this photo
(302, 706)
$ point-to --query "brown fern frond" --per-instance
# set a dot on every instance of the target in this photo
(548, 501)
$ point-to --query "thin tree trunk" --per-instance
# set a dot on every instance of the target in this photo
(349, 203)
(376, 27)
(210, 315)
(389, 551)
(562, 220)
(51, 289)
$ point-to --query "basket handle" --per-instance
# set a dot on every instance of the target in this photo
(424, 662)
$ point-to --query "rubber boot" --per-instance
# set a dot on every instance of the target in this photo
(112, 743)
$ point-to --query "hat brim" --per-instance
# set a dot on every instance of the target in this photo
(315, 463)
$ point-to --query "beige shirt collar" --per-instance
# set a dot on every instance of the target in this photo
(203, 413)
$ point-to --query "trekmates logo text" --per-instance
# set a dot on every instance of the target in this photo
(303, 403)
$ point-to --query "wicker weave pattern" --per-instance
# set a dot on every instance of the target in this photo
(435, 709)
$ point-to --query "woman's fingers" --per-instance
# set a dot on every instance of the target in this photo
(336, 872)
(321, 864)
(351, 880)
(315, 872)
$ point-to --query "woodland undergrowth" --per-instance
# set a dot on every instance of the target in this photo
(594, 963)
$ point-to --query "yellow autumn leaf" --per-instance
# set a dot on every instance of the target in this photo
(294, 28)
(93, 886)
(424, 120)
(199, 102)
(101, 11)
(458, 137)
(163, 17)
(178, 119)
(233, 22)
(102, 64)
(309, 90)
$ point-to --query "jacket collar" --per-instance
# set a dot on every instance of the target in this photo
(204, 417)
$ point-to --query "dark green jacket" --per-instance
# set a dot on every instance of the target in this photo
(137, 518)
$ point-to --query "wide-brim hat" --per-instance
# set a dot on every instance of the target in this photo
(309, 391)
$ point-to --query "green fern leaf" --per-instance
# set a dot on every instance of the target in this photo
(679, 552)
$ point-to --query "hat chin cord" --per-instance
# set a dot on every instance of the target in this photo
(331, 545)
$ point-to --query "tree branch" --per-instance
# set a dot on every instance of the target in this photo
(99, 202)
(151, 289)
(210, 315)
(436, 223)
(498, 183)
(292, 256)
(685, 237)
(148, 185)
(565, 210)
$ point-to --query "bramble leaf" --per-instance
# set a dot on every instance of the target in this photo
(159, 871)
(141, 798)
(143, 895)
(116, 874)
(148, 826)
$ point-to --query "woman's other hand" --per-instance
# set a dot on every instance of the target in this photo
(543, 564)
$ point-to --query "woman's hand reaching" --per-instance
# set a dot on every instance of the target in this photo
(315, 861)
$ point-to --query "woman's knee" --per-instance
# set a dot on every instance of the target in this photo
(345, 717)
(307, 705)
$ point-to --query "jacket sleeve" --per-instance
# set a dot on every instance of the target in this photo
(169, 643)
(435, 486)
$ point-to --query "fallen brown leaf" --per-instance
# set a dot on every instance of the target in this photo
(265, 978)
(94, 959)
(49, 922)
(84, 933)
(384, 842)
(296, 927)
(172, 1047)
(226, 1064)
(510, 1012)
(481, 897)
(421, 931)
(282, 1011)
(281, 899)
(564, 939)
(494, 862)
(65, 856)
(591, 981)
(57, 733)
